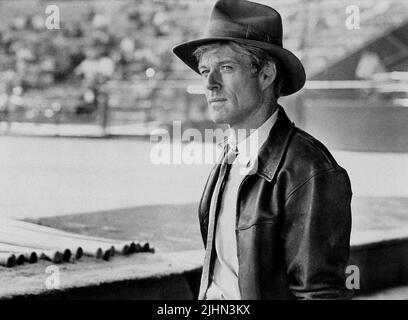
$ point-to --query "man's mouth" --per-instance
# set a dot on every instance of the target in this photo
(217, 100)
(217, 104)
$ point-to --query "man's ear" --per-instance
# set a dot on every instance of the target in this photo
(267, 75)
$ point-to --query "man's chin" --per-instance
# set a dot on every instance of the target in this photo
(218, 117)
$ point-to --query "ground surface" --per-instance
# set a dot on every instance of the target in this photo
(175, 227)
(57, 176)
(166, 227)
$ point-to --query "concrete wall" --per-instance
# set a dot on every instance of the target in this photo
(382, 265)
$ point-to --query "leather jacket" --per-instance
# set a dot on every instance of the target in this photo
(293, 219)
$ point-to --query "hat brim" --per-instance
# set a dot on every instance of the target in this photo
(294, 75)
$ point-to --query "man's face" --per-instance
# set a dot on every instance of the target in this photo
(232, 90)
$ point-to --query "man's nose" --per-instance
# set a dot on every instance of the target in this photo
(213, 81)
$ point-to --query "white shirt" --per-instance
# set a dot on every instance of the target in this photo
(224, 284)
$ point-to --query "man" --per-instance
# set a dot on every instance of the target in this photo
(281, 230)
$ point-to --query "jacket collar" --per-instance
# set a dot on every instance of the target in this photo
(270, 157)
(272, 152)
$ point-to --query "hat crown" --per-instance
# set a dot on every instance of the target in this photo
(252, 24)
(245, 19)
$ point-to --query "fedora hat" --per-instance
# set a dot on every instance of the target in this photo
(248, 23)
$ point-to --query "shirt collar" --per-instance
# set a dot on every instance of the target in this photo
(248, 147)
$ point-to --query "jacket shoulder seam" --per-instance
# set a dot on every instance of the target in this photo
(315, 145)
(318, 173)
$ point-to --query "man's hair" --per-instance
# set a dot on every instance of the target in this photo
(258, 59)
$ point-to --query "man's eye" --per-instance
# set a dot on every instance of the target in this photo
(226, 68)
(204, 72)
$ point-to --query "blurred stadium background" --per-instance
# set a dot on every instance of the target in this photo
(110, 64)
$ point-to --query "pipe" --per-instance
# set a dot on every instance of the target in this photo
(20, 237)
(52, 255)
(119, 245)
(7, 259)
(20, 259)
(31, 254)
(31, 257)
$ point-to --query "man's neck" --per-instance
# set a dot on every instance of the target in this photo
(254, 120)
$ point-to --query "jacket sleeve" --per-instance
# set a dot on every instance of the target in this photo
(316, 236)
